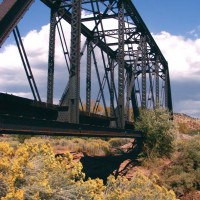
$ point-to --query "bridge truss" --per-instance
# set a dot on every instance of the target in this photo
(111, 52)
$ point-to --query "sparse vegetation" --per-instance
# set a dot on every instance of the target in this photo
(139, 187)
(43, 168)
(118, 142)
(183, 128)
(89, 146)
(183, 175)
(158, 131)
(187, 124)
(32, 171)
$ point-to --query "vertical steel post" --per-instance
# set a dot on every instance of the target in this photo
(166, 88)
(112, 88)
(50, 81)
(128, 82)
(144, 49)
(168, 97)
(157, 80)
(121, 120)
(88, 77)
(74, 75)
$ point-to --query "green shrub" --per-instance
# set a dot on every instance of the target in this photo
(22, 138)
(194, 132)
(139, 187)
(3, 188)
(118, 142)
(184, 175)
(158, 132)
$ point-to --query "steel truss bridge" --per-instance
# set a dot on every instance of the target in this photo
(111, 52)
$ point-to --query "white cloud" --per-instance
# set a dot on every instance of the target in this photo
(13, 78)
(34, 41)
(182, 55)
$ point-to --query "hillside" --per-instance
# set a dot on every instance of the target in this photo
(101, 158)
(187, 122)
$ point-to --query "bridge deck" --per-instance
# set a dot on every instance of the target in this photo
(21, 125)
(20, 115)
(18, 106)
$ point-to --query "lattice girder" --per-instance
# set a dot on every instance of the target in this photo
(138, 62)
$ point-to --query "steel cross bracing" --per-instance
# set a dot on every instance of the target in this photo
(116, 34)
(112, 54)
(26, 64)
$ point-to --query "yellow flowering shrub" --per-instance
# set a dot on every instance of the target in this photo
(32, 171)
(139, 187)
(90, 189)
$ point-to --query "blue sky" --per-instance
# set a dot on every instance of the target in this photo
(37, 16)
(175, 16)
(178, 17)
(175, 25)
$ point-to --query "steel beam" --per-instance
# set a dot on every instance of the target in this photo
(101, 85)
(134, 103)
(134, 33)
(112, 111)
(128, 82)
(10, 14)
(144, 68)
(151, 97)
(88, 77)
(131, 31)
(74, 75)
(67, 16)
(121, 120)
(157, 80)
(135, 16)
(168, 97)
(50, 80)
(26, 64)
